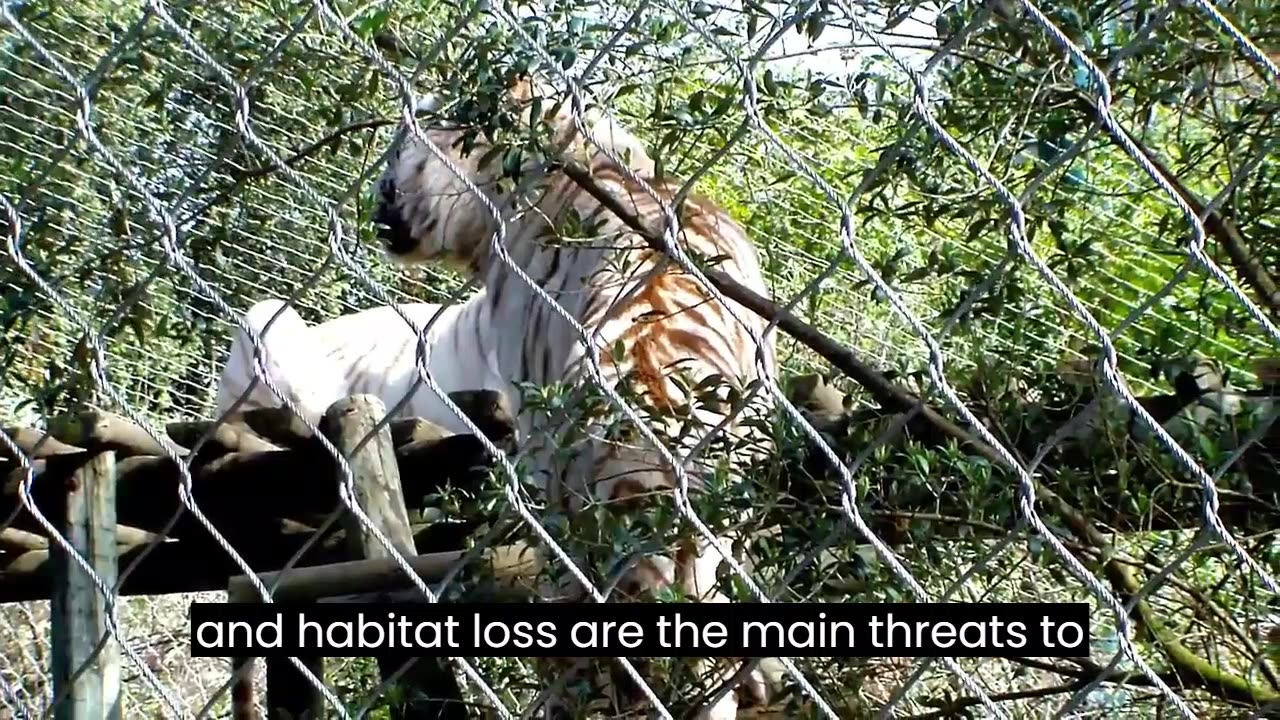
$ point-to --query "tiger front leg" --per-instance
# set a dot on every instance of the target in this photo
(696, 568)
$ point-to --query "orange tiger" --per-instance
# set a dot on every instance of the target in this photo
(622, 292)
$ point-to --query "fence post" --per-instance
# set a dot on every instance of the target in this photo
(432, 690)
(86, 678)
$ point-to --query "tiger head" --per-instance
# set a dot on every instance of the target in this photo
(425, 212)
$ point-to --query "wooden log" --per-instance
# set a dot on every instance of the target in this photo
(426, 466)
(226, 437)
(33, 548)
(27, 564)
(351, 424)
(488, 409)
(15, 539)
(413, 430)
(198, 564)
(282, 484)
(35, 444)
(236, 435)
(101, 430)
(491, 413)
(512, 566)
(277, 425)
(86, 678)
(14, 478)
(375, 474)
(244, 704)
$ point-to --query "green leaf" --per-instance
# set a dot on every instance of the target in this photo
(697, 101)
(568, 57)
(511, 162)
(372, 23)
(770, 84)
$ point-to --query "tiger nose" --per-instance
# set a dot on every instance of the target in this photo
(392, 230)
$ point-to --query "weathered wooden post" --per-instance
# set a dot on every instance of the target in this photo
(86, 661)
(243, 696)
(433, 691)
(243, 701)
(290, 694)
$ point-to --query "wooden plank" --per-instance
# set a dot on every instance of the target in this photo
(431, 690)
(243, 700)
(196, 564)
(100, 430)
(86, 679)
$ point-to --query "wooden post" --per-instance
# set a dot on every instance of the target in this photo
(243, 700)
(86, 680)
(243, 697)
(290, 694)
(432, 690)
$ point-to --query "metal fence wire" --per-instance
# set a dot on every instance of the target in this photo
(1052, 224)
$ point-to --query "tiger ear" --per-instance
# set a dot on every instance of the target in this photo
(521, 89)
(527, 93)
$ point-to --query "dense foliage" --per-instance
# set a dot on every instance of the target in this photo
(1018, 354)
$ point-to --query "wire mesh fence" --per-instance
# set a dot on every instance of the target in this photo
(1050, 224)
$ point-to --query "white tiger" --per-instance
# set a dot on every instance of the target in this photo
(614, 285)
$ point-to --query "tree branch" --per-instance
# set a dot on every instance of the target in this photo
(1192, 669)
(1225, 232)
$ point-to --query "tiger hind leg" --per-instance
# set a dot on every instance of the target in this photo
(296, 364)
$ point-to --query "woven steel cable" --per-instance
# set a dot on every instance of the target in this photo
(346, 488)
(169, 242)
(91, 85)
(355, 269)
(1196, 251)
(821, 443)
(683, 504)
(1255, 436)
(920, 106)
(98, 369)
(314, 276)
(499, 245)
(430, 382)
(1243, 40)
(259, 373)
(956, 40)
(355, 186)
(1026, 484)
(1114, 332)
(934, 371)
(890, 558)
(421, 346)
(512, 491)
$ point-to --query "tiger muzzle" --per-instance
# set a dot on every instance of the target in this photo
(392, 230)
